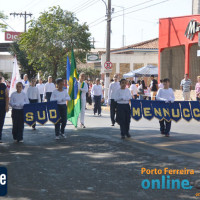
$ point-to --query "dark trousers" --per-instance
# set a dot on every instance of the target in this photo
(113, 110)
(33, 101)
(41, 97)
(165, 126)
(18, 124)
(48, 96)
(124, 118)
(2, 118)
(97, 104)
(198, 99)
(61, 124)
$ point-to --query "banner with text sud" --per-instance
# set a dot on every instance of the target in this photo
(168, 111)
(38, 112)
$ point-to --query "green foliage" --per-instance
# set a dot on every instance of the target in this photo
(22, 59)
(2, 25)
(6, 76)
(90, 73)
(51, 37)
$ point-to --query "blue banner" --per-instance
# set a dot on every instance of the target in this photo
(136, 111)
(41, 113)
(195, 108)
(168, 111)
(30, 114)
(52, 110)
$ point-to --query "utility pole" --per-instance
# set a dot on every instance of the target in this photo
(21, 15)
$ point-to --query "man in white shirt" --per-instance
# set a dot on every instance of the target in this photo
(113, 87)
(40, 87)
(134, 90)
(48, 89)
(83, 88)
(165, 94)
(25, 83)
(97, 94)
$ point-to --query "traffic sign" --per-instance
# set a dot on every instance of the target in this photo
(108, 65)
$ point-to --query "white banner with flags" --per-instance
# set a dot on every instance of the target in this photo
(15, 77)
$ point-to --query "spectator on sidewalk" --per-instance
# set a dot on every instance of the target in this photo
(133, 90)
(165, 94)
(186, 87)
(197, 88)
(113, 88)
(153, 87)
(141, 89)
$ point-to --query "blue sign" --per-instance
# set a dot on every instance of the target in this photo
(3, 181)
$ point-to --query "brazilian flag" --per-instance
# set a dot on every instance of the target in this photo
(74, 105)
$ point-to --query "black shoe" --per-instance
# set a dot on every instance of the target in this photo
(128, 135)
(162, 133)
(123, 137)
(112, 124)
(166, 134)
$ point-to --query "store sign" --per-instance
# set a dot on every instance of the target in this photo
(192, 28)
(11, 36)
(93, 58)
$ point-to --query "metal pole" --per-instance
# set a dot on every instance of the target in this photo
(25, 22)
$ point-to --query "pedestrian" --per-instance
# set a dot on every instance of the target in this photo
(197, 88)
(123, 109)
(160, 85)
(186, 87)
(40, 87)
(165, 94)
(113, 88)
(141, 89)
(61, 96)
(17, 101)
(25, 83)
(49, 87)
(33, 95)
(97, 95)
(153, 87)
(134, 90)
(83, 88)
(4, 101)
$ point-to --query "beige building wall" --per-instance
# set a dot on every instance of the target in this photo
(6, 63)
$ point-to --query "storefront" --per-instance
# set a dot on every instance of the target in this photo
(178, 45)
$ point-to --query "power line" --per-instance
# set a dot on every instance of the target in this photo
(8, 25)
(87, 6)
(83, 5)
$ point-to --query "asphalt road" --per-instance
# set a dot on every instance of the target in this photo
(94, 163)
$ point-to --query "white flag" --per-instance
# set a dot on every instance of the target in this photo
(15, 77)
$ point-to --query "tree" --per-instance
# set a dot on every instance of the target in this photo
(90, 73)
(2, 25)
(22, 59)
(51, 37)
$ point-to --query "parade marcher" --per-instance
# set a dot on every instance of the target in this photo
(25, 83)
(186, 87)
(48, 89)
(153, 87)
(97, 94)
(133, 90)
(83, 87)
(160, 85)
(165, 94)
(61, 96)
(4, 101)
(40, 87)
(123, 109)
(33, 95)
(113, 88)
(197, 88)
(17, 101)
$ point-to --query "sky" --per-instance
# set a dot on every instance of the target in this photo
(140, 23)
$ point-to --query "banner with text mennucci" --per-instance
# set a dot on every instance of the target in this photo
(37, 112)
(168, 111)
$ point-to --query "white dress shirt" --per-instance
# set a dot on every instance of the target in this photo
(113, 87)
(25, 85)
(96, 90)
(49, 87)
(17, 100)
(123, 96)
(60, 96)
(134, 89)
(165, 95)
(33, 93)
(40, 88)
(83, 90)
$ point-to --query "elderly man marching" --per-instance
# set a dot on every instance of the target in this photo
(83, 87)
